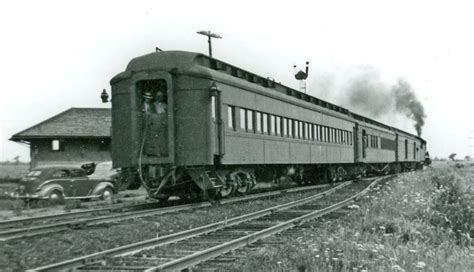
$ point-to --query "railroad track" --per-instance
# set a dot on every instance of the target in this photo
(23, 222)
(28, 227)
(191, 247)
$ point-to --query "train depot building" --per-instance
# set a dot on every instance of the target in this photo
(75, 136)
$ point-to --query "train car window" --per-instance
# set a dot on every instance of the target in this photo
(350, 137)
(311, 132)
(250, 120)
(296, 130)
(258, 122)
(290, 128)
(230, 117)
(325, 134)
(315, 132)
(242, 119)
(213, 107)
(339, 136)
(320, 134)
(406, 149)
(300, 128)
(152, 96)
(285, 127)
(272, 124)
(301, 124)
(265, 123)
(306, 131)
(278, 125)
(414, 150)
(303, 130)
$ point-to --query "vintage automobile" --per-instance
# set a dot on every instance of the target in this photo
(63, 182)
(105, 170)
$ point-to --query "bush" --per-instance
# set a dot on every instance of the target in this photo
(451, 204)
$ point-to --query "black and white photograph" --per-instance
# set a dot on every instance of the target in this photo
(237, 136)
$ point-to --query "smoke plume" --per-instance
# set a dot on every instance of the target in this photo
(407, 103)
(367, 94)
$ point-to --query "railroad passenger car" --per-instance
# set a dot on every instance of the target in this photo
(185, 124)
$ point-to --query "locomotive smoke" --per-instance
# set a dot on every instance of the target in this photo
(368, 94)
(407, 103)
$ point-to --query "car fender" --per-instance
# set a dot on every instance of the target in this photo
(101, 186)
(48, 188)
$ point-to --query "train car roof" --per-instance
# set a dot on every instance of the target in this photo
(183, 60)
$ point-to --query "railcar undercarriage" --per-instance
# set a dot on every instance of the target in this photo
(211, 182)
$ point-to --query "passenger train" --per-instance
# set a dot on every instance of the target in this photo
(187, 125)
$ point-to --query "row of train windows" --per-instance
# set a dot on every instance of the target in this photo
(264, 123)
(372, 141)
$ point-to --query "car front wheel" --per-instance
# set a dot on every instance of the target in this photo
(56, 196)
(107, 194)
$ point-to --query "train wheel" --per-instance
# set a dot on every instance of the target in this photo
(228, 189)
(340, 173)
(244, 181)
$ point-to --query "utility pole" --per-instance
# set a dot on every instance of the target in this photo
(209, 35)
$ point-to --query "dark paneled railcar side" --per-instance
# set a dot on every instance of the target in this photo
(185, 124)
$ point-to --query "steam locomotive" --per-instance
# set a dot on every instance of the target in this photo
(187, 125)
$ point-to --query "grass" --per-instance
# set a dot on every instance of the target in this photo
(417, 222)
(10, 171)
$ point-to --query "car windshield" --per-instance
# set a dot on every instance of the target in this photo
(34, 173)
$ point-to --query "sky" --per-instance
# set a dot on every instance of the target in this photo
(61, 54)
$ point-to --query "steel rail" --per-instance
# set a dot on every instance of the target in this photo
(198, 257)
(172, 238)
(10, 234)
(60, 216)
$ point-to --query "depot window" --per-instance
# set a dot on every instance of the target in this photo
(57, 145)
